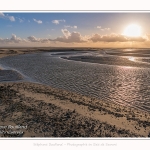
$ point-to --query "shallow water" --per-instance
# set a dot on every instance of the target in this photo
(105, 80)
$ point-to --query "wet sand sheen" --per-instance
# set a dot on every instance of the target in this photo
(125, 85)
(52, 112)
(10, 75)
(108, 60)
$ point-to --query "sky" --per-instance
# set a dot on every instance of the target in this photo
(54, 29)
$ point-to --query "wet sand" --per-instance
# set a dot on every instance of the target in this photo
(108, 60)
(36, 110)
(17, 51)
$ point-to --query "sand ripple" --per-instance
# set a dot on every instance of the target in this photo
(10, 75)
(126, 85)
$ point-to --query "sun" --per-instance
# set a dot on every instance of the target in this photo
(132, 30)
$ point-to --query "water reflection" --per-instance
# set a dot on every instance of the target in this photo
(125, 85)
(132, 58)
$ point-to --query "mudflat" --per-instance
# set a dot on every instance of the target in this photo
(35, 110)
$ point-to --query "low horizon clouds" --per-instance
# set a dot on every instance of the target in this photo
(11, 18)
(116, 38)
(34, 39)
(76, 37)
(58, 21)
(13, 39)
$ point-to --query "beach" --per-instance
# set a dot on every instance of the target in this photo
(34, 110)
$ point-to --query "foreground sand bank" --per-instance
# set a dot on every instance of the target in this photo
(41, 111)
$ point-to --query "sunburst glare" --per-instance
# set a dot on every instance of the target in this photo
(132, 30)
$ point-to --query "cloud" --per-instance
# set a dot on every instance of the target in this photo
(99, 27)
(13, 39)
(2, 15)
(147, 36)
(21, 20)
(75, 27)
(115, 38)
(11, 18)
(74, 37)
(107, 38)
(34, 39)
(138, 39)
(58, 21)
(37, 21)
(44, 40)
(103, 29)
(66, 33)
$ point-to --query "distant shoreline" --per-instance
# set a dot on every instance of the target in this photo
(4, 52)
(9, 51)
